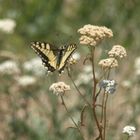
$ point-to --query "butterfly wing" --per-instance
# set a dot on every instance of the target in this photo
(46, 53)
(67, 52)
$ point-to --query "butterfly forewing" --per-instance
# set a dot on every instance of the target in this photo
(46, 54)
(66, 55)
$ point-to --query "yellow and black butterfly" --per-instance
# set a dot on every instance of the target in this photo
(53, 58)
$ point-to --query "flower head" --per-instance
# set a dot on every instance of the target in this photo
(9, 67)
(108, 63)
(84, 77)
(117, 51)
(92, 35)
(26, 80)
(108, 85)
(59, 88)
(130, 130)
(7, 25)
(34, 65)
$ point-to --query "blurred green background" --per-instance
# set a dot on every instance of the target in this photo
(31, 112)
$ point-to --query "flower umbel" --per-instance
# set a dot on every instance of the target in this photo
(59, 88)
(117, 51)
(92, 35)
(130, 130)
(108, 85)
(7, 25)
(26, 80)
(34, 65)
(108, 63)
(9, 67)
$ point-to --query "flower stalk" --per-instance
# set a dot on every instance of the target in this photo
(76, 125)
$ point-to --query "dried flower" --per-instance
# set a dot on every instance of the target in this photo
(108, 63)
(85, 40)
(34, 65)
(130, 130)
(9, 67)
(117, 51)
(7, 25)
(59, 88)
(108, 85)
(92, 35)
(26, 80)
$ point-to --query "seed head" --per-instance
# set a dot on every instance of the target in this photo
(59, 88)
(92, 35)
(108, 63)
(117, 51)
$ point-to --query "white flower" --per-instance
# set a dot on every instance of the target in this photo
(76, 56)
(7, 25)
(108, 85)
(34, 65)
(59, 88)
(130, 130)
(85, 77)
(26, 80)
(9, 67)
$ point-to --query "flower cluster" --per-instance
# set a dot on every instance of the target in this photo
(108, 63)
(59, 88)
(92, 35)
(85, 77)
(34, 65)
(117, 51)
(108, 85)
(26, 80)
(7, 25)
(9, 67)
(130, 130)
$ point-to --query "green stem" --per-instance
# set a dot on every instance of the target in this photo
(63, 103)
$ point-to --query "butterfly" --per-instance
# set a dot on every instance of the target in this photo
(53, 58)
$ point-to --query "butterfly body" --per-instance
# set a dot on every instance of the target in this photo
(53, 58)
